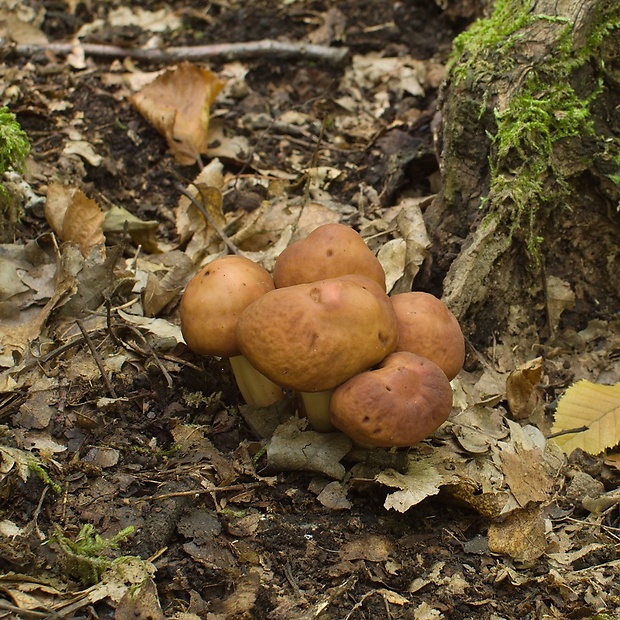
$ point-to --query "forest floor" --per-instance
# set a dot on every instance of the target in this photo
(133, 480)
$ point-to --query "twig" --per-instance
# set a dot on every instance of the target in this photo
(568, 431)
(150, 351)
(211, 489)
(20, 612)
(328, 599)
(267, 48)
(288, 573)
(223, 236)
(97, 359)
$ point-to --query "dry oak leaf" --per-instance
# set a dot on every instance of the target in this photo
(177, 104)
(594, 407)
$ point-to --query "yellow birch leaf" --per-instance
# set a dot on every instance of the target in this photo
(593, 406)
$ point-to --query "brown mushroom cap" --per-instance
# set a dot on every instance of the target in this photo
(329, 251)
(313, 337)
(372, 286)
(403, 401)
(426, 327)
(215, 298)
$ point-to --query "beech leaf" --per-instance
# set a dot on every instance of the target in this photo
(177, 104)
(74, 217)
(593, 406)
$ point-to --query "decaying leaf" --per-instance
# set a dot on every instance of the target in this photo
(190, 222)
(479, 428)
(10, 282)
(590, 406)
(82, 148)
(417, 242)
(334, 496)
(529, 465)
(231, 147)
(15, 339)
(177, 103)
(265, 225)
(14, 460)
(74, 217)
(140, 604)
(423, 479)
(560, 297)
(142, 232)
(521, 535)
(522, 392)
(160, 290)
(291, 448)
(392, 256)
(153, 21)
(159, 328)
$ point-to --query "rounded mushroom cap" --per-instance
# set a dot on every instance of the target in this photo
(403, 401)
(313, 337)
(213, 300)
(329, 251)
(372, 286)
(426, 327)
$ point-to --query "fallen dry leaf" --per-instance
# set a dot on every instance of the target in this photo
(154, 21)
(292, 449)
(334, 496)
(142, 232)
(613, 460)
(74, 217)
(560, 297)
(177, 103)
(140, 604)
(521, 535)
(189, 220)
(593, 406)
(522, 392)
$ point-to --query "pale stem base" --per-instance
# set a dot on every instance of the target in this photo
(316, 405)
(256, 389)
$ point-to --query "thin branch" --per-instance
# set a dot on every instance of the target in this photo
(267, 48)
(150, 352)
(568, 431)
(211, 489)
(93, 351)
(223, 236)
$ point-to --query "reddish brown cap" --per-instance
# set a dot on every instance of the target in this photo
(400, 403)
(312, 337)
(214, 299)
(329, 251)
(426, 327)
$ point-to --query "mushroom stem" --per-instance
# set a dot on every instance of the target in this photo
(316, 406)
(256, 389)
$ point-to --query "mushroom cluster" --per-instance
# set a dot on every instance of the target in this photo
(375, 367)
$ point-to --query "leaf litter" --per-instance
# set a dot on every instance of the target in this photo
(491, 459)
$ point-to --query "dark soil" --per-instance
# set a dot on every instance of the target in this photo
(263, 547)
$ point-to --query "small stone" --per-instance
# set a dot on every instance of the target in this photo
(584, 485)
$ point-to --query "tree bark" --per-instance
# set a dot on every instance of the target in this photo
(530, 161)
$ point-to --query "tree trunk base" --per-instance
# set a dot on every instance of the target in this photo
(526, 228)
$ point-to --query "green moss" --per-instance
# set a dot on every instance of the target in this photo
(545, 110)
(14, 148)
(36, 467)
(14, 144)
(478, 45)
(84, 558)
